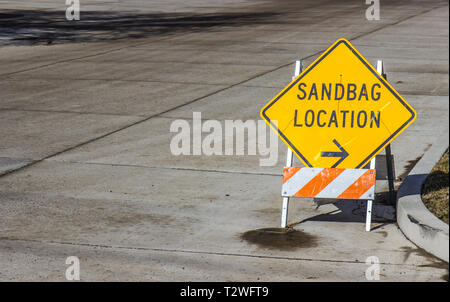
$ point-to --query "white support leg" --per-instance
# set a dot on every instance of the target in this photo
(380, 67)
(289, 159)
(369, 203)
(284, 211)
(369, 215)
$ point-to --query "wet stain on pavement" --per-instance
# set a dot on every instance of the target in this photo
(419, 252)
(384, 233)
(48, 27)
(408, 168)
(286, 239)
(125, 219)
(434, 261)
(441, 265)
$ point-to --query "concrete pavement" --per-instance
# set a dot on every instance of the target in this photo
(85, 157)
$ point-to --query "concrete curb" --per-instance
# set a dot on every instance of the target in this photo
(417, 223)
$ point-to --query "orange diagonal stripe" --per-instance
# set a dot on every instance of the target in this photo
(288, 172)
(319, 182)
(360, 186)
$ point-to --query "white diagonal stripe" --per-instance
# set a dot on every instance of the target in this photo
(298, 181)
(341, 183)
(370, 194)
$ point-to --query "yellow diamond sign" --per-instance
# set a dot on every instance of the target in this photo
(339, 112)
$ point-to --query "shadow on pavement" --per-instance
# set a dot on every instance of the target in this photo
(355, 211)
(40, 26)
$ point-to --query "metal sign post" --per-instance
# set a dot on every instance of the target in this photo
(389, 163)
(380, 70)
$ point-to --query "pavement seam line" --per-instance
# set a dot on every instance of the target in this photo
(398, 22)
(69, 112)
(80, 58)
(164, 168)
(194, 252)
(113, 80)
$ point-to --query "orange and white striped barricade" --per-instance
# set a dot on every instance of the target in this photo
(328, 183)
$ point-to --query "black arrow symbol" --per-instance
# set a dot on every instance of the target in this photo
(343, 154)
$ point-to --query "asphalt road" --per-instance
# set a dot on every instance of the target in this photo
(86, 169)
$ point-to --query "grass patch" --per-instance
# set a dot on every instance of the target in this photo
(435, 189)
